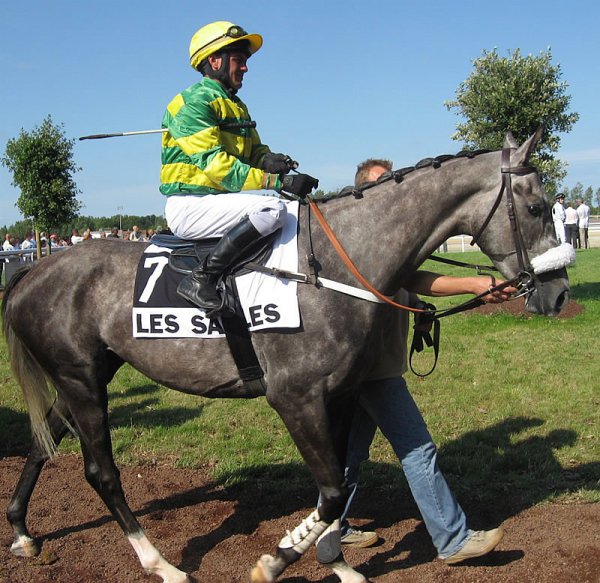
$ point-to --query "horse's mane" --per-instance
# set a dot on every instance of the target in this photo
(398, 175)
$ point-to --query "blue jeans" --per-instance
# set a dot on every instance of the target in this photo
(388, 404)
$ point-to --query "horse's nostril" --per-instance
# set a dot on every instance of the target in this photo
(562, 300)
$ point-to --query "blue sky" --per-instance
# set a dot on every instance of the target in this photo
(335, 82)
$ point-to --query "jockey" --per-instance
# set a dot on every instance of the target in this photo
(211, 152)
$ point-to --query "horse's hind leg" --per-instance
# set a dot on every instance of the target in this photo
(102, 474)
(24, 544)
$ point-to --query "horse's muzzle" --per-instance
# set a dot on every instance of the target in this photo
(550, 294)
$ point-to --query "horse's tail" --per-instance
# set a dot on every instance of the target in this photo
(29, 374)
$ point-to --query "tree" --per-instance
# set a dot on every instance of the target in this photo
(517, 94)
(41, 162)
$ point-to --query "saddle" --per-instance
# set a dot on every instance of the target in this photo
(187, 255)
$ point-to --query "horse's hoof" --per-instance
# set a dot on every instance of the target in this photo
(25, 547)
(262, 573)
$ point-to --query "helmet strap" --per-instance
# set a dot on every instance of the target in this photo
(221, 74)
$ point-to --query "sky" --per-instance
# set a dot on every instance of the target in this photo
(335, 82)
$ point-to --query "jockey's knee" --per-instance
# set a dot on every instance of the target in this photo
(270, 219)
(333, 503)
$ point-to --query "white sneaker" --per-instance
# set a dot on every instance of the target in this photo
(480, 543)
(358, 538)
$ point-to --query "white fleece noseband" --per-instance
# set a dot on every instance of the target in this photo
(554, 258)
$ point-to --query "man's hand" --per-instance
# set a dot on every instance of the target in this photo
(277, 163)
(299, 184)
(500, 295)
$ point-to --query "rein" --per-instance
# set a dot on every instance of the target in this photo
(312, 205)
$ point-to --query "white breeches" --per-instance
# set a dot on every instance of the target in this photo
(559, 228)
(212, 215)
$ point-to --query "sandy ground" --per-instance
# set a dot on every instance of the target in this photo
(216, 533)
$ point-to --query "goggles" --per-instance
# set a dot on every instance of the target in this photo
(234, 31)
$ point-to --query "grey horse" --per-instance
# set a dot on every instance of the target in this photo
(83, 298)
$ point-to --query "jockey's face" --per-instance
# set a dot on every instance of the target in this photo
(237, 69)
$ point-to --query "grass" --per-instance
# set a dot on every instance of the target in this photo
(513, 405)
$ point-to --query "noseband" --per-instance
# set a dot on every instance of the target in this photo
(524, 280)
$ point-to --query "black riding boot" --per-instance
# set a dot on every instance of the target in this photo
(200, 287)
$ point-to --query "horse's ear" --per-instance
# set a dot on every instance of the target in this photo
(510, 142)
(521, 156)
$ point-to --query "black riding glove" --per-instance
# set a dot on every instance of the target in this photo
(299, 184)
(276, 163)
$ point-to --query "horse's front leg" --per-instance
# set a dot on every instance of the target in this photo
(309, 427)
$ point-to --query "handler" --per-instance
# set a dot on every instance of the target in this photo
(211, 148)
(385, 402)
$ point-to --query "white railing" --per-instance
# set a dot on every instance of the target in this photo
(27, 254)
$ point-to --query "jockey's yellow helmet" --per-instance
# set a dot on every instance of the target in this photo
(217, 35)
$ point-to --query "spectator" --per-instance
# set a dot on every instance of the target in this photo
(135, 234)
(76, 237)
(27, 242)
(558, 217)
(8, 243)
(6, 246)
(114, 233)
(571, 226)
(583, 211)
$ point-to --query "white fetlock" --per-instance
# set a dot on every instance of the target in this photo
(153, 562)
(346, 573)
(264, 570)
(25, 546)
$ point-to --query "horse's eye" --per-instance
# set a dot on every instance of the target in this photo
(535, 209)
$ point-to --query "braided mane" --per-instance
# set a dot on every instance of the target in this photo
(398, 175)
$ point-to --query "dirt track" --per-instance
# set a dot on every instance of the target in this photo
(216, 533)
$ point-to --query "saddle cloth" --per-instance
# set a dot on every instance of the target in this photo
(268, 302)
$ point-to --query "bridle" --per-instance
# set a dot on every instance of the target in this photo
(524, 280)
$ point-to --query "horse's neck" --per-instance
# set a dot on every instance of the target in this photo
(395, 227)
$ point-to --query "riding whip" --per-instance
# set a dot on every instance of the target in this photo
(117, 135)
(226, 125)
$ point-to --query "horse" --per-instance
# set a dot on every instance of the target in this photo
(388, 230)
